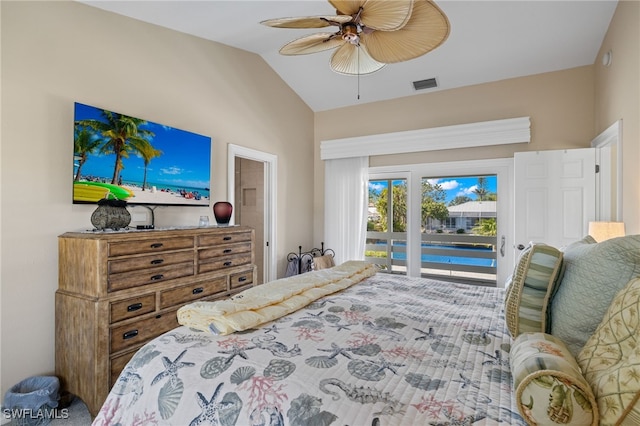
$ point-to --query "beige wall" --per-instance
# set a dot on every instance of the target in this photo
(617, 91)
(55, 53)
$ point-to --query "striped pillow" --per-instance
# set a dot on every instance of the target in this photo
(532, 284)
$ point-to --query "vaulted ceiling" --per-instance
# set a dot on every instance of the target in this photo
(489, 41)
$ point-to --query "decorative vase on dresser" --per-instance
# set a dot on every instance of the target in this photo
(118, 290)
(222, 210)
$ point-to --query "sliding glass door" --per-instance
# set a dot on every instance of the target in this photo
(446, 220)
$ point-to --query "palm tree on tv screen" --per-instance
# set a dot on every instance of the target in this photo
(83, 144)
(122, 134)
(147, 153)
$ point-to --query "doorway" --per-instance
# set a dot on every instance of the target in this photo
(417, 174)
(251, 189)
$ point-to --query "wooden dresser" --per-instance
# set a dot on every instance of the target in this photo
(118, 290)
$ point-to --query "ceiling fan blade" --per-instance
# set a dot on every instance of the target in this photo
(347, 7)
(312, 44)
(384, 15)
(307, 22)
(351, 59)
(427, 29)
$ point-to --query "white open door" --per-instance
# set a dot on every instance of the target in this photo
(555, 196)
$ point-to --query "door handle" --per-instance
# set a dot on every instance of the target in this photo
(502, 243)
(520, 247)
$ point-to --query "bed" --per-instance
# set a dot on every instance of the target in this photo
(389, 350)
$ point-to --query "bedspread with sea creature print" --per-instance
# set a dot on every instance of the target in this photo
(390, 350)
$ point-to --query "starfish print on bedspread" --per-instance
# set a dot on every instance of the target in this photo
(429, 335)
(223, 413)
(337, 350)
(217, 365)
(273, 328)
(171, 368)
(236, 351)
(467, 382)
(498, 359)
(326, 361)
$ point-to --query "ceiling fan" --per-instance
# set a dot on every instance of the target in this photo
(371, 34)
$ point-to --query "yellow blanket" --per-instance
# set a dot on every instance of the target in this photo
(266, 302)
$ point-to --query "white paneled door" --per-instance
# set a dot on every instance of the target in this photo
(555, 196)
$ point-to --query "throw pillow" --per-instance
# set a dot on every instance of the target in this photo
(593, 274)
(610, 360)
(532, 283)
(549, 386)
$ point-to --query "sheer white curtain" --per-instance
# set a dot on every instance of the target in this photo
(345, 207)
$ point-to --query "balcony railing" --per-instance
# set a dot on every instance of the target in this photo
(468, 256)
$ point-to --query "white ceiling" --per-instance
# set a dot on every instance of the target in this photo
(489, 41)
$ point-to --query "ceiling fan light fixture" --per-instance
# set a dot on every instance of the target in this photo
(350, 33)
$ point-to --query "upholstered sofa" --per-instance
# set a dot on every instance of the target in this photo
(574, 314)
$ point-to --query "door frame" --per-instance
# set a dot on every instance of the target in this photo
(270, 162)
(604, 143)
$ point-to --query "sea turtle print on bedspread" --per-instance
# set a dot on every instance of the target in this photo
(391, 350)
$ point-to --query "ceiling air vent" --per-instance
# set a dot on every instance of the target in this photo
(429, 83)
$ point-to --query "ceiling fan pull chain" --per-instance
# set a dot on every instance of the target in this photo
(358, 53)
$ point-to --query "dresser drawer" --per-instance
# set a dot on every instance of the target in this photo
(189, 293)
(241, 278)
(219, 263)
(224, 250)
(149, 276)
(137, 333)
(148, 262)
(117, 365)
(122, 248)
(130, 308)
(214, 240)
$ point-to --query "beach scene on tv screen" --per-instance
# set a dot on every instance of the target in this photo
(122, 157)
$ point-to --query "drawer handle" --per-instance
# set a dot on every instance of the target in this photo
(134, 307)
(156, 245)
(130, 334)
(157, 261)
(227, 263)
(157, 277)
(198, 290)
(227, 238)
(227, 251)
(242, 279)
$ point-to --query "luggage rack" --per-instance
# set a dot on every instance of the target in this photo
(301, 262)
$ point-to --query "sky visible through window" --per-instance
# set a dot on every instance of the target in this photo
(453, 186)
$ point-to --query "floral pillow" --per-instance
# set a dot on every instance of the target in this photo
(549, 386)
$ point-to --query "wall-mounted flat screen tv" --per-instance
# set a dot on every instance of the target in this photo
(117, 156)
